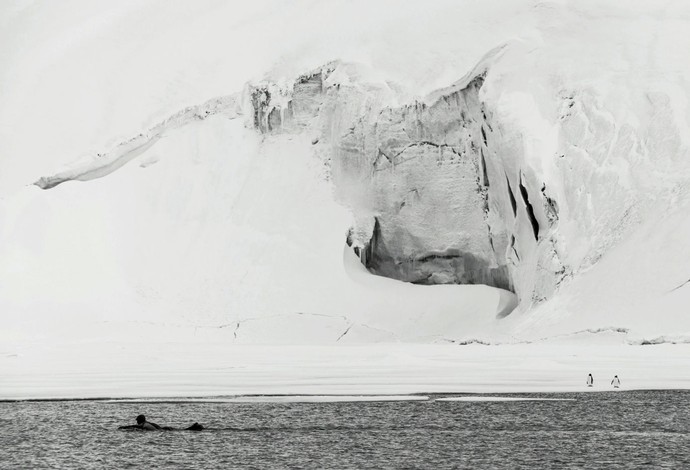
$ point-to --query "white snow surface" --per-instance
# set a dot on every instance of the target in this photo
(217, 242)
(208, 365)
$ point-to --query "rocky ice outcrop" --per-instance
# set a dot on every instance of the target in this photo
(436, 187)
(467, 186)
(452, 188)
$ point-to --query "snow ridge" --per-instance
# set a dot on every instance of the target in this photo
(102, 164)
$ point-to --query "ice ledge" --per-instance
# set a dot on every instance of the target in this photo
(102, 164)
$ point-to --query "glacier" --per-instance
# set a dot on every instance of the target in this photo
(460, 175)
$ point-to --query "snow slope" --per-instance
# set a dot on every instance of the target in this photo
(134, 369)
(215, 223)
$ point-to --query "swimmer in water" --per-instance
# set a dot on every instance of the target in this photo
(149, 426)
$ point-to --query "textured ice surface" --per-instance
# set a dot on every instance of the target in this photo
(557, 168)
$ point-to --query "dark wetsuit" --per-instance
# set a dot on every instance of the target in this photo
(149, 426)
(145, 426)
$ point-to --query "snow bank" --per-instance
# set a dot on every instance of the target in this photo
(576, 140)
(208, 367)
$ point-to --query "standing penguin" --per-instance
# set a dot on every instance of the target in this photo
(590, 380)
(616, 382)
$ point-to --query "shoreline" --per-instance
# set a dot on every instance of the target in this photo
(335, 398)
(118, 370)
(347, 398)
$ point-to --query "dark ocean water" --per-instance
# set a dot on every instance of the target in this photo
(615, 430)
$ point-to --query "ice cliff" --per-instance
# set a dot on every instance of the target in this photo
(438, 187)
(556, 169)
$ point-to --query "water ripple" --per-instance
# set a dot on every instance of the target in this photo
(590, 430)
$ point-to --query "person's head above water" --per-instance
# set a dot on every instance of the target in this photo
(141, 419)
